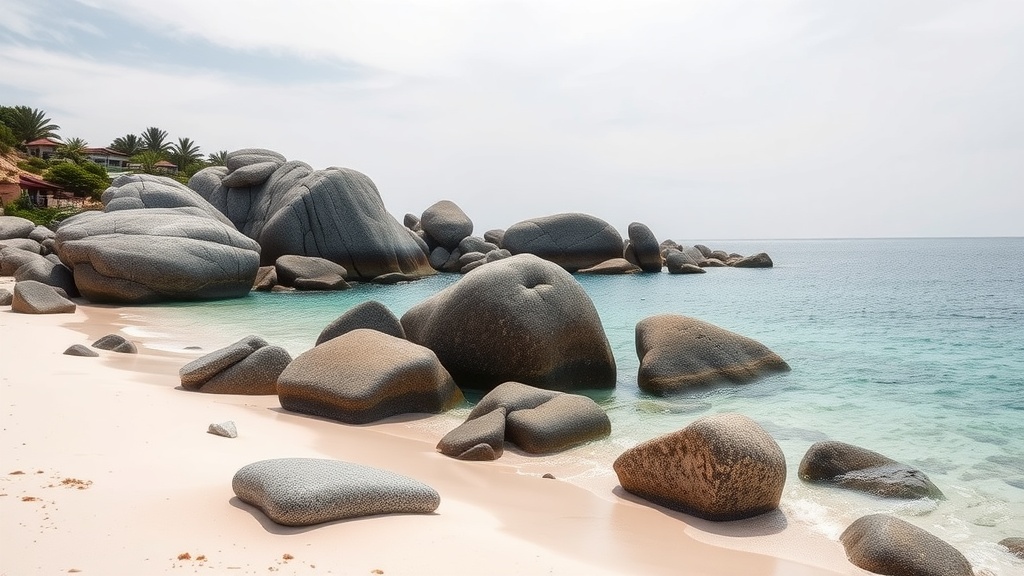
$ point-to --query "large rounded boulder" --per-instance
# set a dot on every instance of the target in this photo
(133, 191)
(365, 375)
(721, 467)
(856, 468)
(571, 240)
(153, 254)
(370, 314)
(289, 208)
(446, 224)
(645, 246)
(677, 352)
(519, 319)
(884, 544)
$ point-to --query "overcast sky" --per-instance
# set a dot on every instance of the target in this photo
(704, 119)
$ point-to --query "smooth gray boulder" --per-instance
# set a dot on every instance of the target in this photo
(44, 270)
(41, 233)
(519, 319)
(6, 297)
(156, 254)
(678, 262)
(645, 246)
(250, 366)
(446, 223)
(336, 214)
(711, 263)
(135, 191)
(613, 266)
(365, 375)
(24, 244)
(438, 257)
(855, 468)
(11, 259)
(759, 260)
(80, 350)
(115, 343)
(266, 279)
(481, 438)
(15, 227)
(677, 352)
(571, 240)
(476, 244)
(370, 314)
(225, 429)
(31, 297)
(310, 273)
(884, 544)
(494, 236)
(307, 491)
(720, 467)
(411, 221)
(536, 420)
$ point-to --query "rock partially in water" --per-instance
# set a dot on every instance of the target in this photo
(856, 468)
(884, 544)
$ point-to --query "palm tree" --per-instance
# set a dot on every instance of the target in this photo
(184, 153)
(28, 124)
(155, 140)
(147, 160)
(129, 144)
(73, 149)
(219, 158)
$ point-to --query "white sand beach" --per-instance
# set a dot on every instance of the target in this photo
(107, 468)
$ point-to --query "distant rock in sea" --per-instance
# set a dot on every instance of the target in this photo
(571, 240)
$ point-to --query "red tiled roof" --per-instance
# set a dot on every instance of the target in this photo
(31, 182)
(165, 164)
(43, 142)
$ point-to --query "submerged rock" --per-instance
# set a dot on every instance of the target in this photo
(856, 468)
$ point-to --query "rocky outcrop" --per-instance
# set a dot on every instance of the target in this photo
(721, 467)
(645, 246)
(15, 227)
(446, 224)
(307, 491)
(1014, 545)
(572, 240)
(884, 544)
(536, 420)
(759, 260)
(517, 319)
(677, 352)
(155, 254)
(135, 191)
(365, 375)
(613, 266)
(23, 244)
(310, 273)
(856, 468)
(289, 208)
(13, 258)
(370, 314)
(250, 366)
(6, 297)
(115, 343)
(31, 297)
(42, 269)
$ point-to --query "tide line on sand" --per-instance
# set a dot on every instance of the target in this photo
(108, 469)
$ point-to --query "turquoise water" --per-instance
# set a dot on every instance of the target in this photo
(911, 347)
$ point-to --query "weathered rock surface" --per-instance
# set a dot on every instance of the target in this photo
(24, 244)
(1014, 545)
(12, 258)
(31, 297)
(519, 319)
(759, 260)
(40, 234)
(6, 297)
(225, 429)
(370, 314)
(155, 254)
(481, 438)
(721, 467)
(677, 352)
(44, 270)
(365, 375)
(15, 227)
(250, 366)
(856, 468)
(135, 191)
(646, 247)
(115, 343)
(310, 273)
(494, 236)
(613, 266)
(306, 491)
(536, 420)
(884, 544)
(571, 240)
(679, 262)
(446, 223)
(80, 350)
(336, 214)
(266, 279)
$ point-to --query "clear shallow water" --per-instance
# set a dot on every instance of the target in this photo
(911, 347)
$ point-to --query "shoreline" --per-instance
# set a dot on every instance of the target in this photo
(160, 485)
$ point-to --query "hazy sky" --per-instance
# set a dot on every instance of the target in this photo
(704, 119)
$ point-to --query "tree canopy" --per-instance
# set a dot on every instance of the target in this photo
(28, 124)
(73, 150)
(185, 153)
(129, 144)
(88, 178)
(155, 140)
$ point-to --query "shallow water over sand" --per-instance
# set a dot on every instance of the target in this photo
(913, 348)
